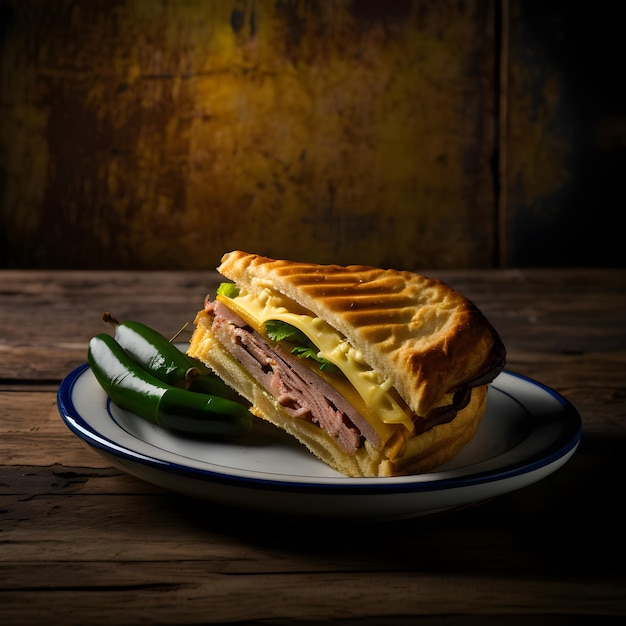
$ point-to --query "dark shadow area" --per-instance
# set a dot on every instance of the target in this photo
(570, 524)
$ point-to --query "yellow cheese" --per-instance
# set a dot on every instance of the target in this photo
(333, 346)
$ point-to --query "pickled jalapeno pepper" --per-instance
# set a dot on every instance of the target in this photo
(132, 388)
(165, 361)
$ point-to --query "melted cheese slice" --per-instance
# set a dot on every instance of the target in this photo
(376, 394)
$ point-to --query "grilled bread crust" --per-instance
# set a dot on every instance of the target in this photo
(422, 453)
(424, 336)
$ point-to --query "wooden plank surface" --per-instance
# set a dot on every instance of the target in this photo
(82, 542)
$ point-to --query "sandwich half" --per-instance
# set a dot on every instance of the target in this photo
(378, 372)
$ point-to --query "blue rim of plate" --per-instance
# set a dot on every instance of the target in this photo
(566, 442)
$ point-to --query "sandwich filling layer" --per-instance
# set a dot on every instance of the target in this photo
(351, 404)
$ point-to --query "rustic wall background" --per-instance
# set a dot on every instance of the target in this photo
(155, 134)
(562, 160)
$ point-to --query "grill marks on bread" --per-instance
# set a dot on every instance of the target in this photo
(425, 340)
(416, 331)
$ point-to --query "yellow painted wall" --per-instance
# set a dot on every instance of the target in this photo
(153, 134)
(407, 133)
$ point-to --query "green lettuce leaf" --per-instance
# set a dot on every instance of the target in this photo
(278, 330)
(304, 348)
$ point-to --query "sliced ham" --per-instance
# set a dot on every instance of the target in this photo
(302, 393)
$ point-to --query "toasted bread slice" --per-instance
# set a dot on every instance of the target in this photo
(422, 337)
(419, 333)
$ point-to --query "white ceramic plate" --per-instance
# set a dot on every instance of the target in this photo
(528, 432)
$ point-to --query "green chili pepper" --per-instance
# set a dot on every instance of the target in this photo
(132, 388)
(165, 361)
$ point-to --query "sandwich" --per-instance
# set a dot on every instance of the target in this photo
(377, 372)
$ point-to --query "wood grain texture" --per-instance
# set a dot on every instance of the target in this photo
(84, 543)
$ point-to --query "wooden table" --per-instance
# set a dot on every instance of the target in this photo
(83, 543)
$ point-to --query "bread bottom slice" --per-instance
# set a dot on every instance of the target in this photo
(422, 453)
